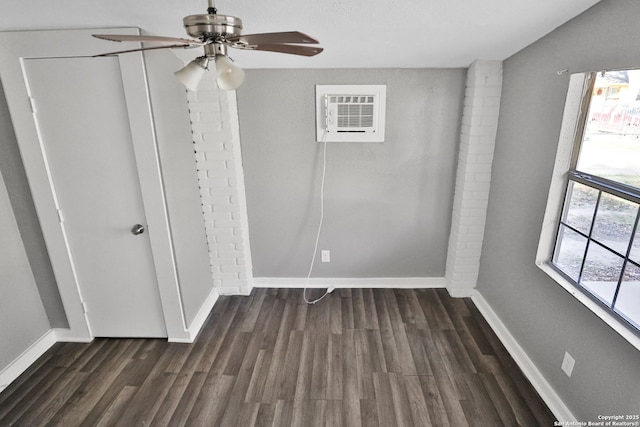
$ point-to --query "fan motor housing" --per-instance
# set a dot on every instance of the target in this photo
(212, 26)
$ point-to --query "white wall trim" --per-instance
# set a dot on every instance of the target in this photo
(530, 370)
(461, 292)
(350, 282)
(27, 358)
(201, 317)
(68, 335)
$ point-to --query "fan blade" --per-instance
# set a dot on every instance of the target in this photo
(294, 37)
(284, 48)
(150, 39)
(173, 46)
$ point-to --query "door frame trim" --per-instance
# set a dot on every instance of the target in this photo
(16, 45)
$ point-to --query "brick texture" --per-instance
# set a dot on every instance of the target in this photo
(216, 142)
(473, 179)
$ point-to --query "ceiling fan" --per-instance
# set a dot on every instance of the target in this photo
(215, 33)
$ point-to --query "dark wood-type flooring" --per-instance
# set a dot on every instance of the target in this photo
(370, 357)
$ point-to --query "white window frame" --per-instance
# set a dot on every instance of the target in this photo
(578, 86)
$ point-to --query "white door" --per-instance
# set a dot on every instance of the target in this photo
(82, 120)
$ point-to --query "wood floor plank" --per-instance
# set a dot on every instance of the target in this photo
(368, 414)
(289, 378)
(277, 369)
(417, 402)
(241, 384)
(359, 357)
(335, 314)
(334, 414)
(211, 401)
(180, 415)
(433, 399)
(305, 367)
(485, 412)
(347, 313)
(172, 400)
(352, 409)
(303, 410)
(53, 398)
(500, 402)
(400, 400)
(248, 415)
(370, 313)
(384, 399)
(359, 315)
(364, 366)
(112, 414)
(255, 389)
(142, 407)
(320, 367)
(386, 334)
(416, 346)
(21, 386)
(265, 416)
(413, 302)
(202, 356)
(283, 413)
(335, 365)
(250, 319)
(92, 391)
(405, 356)
(33, 392)
(349, 366)
(376, 350)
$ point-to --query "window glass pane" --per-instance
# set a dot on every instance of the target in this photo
(602, 269)
(569, 252)
(635, 249)
(628, 301)
(610, 147)
(614, 222)
(580, 206)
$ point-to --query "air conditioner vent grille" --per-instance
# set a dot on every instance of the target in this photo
(355, 116)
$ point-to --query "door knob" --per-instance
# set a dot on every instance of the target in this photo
(137, 229)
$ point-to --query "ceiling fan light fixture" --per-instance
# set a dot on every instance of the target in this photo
(230, 76)
(191, 75)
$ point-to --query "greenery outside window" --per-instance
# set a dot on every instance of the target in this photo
(597, 241)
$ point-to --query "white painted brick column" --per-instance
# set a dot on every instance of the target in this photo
(473, 179)
(216, 137)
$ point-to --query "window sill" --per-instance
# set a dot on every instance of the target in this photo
(607, 317)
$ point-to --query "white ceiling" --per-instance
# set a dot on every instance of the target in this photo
(354, 33)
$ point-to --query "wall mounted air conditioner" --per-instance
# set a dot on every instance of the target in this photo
(350, 113)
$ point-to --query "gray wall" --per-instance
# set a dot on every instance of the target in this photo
(542, 316)
(25, 213)
(22, 317)
(387, 205)
(179, 174)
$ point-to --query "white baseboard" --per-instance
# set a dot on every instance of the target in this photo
(461, 292)
(234, 290)
(27, 358)
(350, 282)
(66, 335)
(530, 370)
(198, 321)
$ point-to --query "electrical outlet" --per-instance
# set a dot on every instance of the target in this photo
(567, 364)
(326, 256)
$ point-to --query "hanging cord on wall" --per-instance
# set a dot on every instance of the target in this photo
(315, 247)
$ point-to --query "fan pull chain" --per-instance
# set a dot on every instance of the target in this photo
(212, 8)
